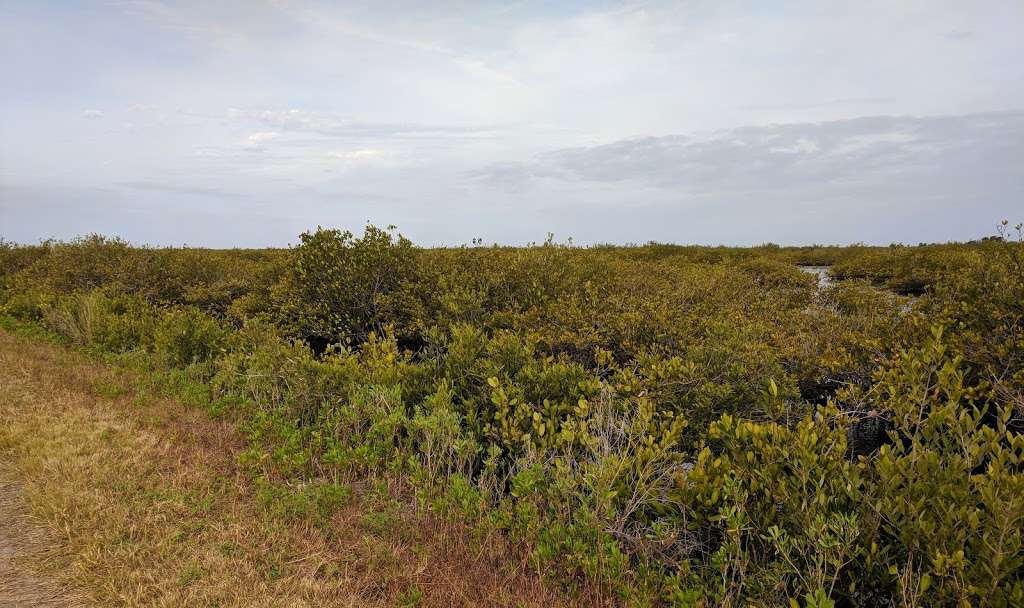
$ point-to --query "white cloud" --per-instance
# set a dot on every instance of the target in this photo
(801, 146)
(336, 125)
(263, 136)
(359, 155)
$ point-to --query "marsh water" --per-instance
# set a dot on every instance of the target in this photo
(822, 273)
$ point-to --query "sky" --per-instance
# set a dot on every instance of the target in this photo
(244, 123)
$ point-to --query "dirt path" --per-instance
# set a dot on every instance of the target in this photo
(20, 538)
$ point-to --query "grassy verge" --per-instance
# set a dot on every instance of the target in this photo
(147, 506)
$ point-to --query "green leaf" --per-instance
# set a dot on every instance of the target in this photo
(926, 582)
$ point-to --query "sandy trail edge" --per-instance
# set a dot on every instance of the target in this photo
(20, 537)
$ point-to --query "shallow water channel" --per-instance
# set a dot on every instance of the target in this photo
(822, 273)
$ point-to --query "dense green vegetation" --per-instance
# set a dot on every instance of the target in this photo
(678, 425)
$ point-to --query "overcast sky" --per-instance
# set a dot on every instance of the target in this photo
(245, 123)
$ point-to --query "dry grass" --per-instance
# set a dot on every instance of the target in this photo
(143, 505)
(22, 542)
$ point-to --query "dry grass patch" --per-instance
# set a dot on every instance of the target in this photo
(146, 506)
(24, 542)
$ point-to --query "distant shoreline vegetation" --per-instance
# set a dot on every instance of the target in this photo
(672, 425)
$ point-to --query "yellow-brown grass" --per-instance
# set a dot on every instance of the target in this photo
(143, 504)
